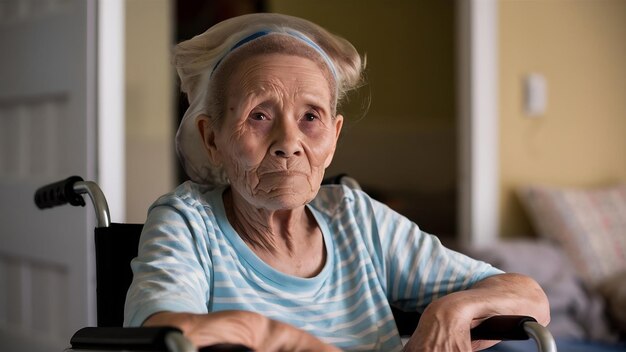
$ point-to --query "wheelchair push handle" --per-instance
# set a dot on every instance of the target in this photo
(59, 193)
(70, 191)
(502, 327)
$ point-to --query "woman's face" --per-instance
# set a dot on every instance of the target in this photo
(278, 134)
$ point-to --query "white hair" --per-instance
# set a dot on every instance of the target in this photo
(196, 60)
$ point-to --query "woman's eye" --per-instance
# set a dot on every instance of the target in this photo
(258, 116)
(310, 117)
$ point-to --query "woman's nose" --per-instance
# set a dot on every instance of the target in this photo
(286, 141)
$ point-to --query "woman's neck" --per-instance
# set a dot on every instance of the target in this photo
(275, 232)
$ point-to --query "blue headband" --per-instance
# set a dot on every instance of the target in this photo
(293, 34)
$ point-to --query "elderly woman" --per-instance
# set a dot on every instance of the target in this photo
(254, 251)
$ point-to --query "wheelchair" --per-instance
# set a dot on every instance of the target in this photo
(117, 244)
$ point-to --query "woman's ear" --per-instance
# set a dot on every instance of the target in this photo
(338, 126)
(338, 120)
(207, 133)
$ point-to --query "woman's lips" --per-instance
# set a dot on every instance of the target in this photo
(282, 173)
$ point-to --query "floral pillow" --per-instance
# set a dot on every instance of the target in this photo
(589, 224)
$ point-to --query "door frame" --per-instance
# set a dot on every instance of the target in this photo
(477, 67)
(111, 174)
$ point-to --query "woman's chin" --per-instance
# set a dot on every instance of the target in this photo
(283, 199)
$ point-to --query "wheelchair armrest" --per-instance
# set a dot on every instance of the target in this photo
(134, 339)
(514, 327)
(502, 327)
(171, 339)
(140, 339)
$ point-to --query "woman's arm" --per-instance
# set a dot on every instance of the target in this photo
(239, 327)
(445, 324)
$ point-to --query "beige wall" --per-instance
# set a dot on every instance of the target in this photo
(149, 105)
(580, 47)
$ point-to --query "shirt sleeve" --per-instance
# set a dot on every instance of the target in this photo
(169, 273)
(418, 268)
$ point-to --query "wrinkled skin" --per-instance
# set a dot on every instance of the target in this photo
(278, 134)
(240, 328)
(276, 139)
(445, 324)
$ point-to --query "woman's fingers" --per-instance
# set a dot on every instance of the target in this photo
(241, 327)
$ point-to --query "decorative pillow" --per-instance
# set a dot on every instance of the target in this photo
(589, 224)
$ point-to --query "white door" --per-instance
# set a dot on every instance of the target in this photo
(47, 132)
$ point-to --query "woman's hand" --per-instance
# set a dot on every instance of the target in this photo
(444, 326)
(446, 323)
(240, 327)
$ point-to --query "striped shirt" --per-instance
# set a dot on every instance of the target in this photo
(192, 260)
